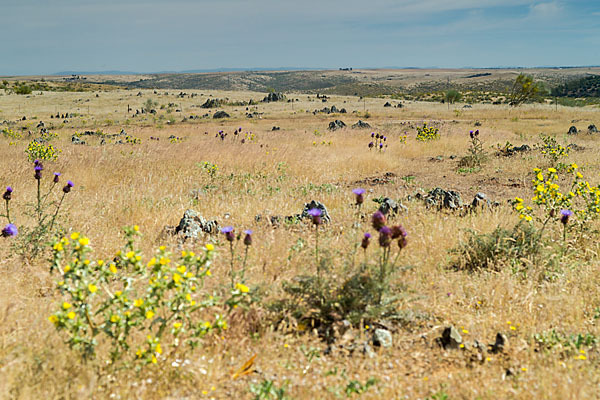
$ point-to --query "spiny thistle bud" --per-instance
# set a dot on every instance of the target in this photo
(56, 176)
(564, 216)
(385, 236)
(378, 220)
(68, 187)
(365, 241)
(9, 230)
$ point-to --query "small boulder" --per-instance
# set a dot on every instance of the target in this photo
(387, 104)
(274, 97)
(382, 338)
(193, 224)
(337, 124)
(573, 130)
(450, 338)
(76, 140)
(361, 125)
(592, 129)
(221, 114)
(318, 205)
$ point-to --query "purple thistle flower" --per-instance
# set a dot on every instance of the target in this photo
(564, 216)
(385, 236)
(10, 230)
(38, 171)
(7, 195)
(372, 134)
(248, 237)
(315, 214)
(228, 231)
(56, 176)
(359, 192)
(378, 220)
(380, 145)
(365, 241)
(371, 145)
(68, 187)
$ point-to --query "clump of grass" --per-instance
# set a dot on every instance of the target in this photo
(491, 250)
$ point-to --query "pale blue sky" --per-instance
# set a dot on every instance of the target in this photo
(47, 36)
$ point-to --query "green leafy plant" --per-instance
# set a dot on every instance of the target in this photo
(476, 154)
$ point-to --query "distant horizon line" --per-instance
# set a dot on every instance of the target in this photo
(266, 69)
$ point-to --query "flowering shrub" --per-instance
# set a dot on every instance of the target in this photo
(210, 169)
(581, 198)
(427, 133)
(41, 151)
(10, 134)
(141, 310)
(553, 151)
(377, 141)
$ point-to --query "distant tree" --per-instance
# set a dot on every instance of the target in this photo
(452, 96)
(524, 89)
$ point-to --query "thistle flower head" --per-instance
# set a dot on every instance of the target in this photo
(359, 192)
(385, 236)
(365, 240)
(38, 171)
(378, 220)
(56, 176)
(68, 187)
(315, 215)
(564, 216)
(7, 195)
(397, 231)
(229, 234)
(10, 230)
(248, 237)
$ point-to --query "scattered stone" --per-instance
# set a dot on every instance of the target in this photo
(337, 124)
(221, 114)
(211, 103)
(467, 106)
(480, 200)
(382, 338)
(77, 140)
(450, 338)
(193, 224)
(274, 97)
(275, 128)
(499, 344)
(361, 125)
(573, 130)
(390, 207)
(592, 129)
(441, 198)
(477, 123)
(387, 104)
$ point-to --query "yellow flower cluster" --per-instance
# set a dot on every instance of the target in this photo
(427, 133)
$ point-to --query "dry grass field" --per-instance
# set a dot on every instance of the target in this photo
(546, 304)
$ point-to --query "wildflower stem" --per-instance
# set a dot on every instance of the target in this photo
(39, 202)
(8, 212)
(244, 264)
(317, 250)
(56, 212)
(231, 267)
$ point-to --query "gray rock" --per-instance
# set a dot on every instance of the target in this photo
(387, 104)
(367, 350)
(274, 97)
(221, 114)
(573, 130)
(441, 198)
(360, 125)
(337, 124)
(193, 224)
(592, 129)
(390, 207)
(211, 103)
(382, 338)
(77, 140)
(480, 200)
(450, 338)
(315, 204)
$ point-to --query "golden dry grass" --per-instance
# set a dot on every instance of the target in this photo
(151, 184)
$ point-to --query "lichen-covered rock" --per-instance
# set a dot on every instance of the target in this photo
(192, 225)
(441, 198)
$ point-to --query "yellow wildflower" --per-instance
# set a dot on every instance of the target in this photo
(75, 236)
(177, 325)
(113, 268)
(53, 318)
(210, 247)
(66, 306)
(158, 349)
(84, 241)
(136, 228)
(242, 288)
(67, 268)
(138, 302)
(176, 277)
(149, 314)
(58, 246)
(114, 318)
(181, 269)
(71, 315)
(92, 288)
